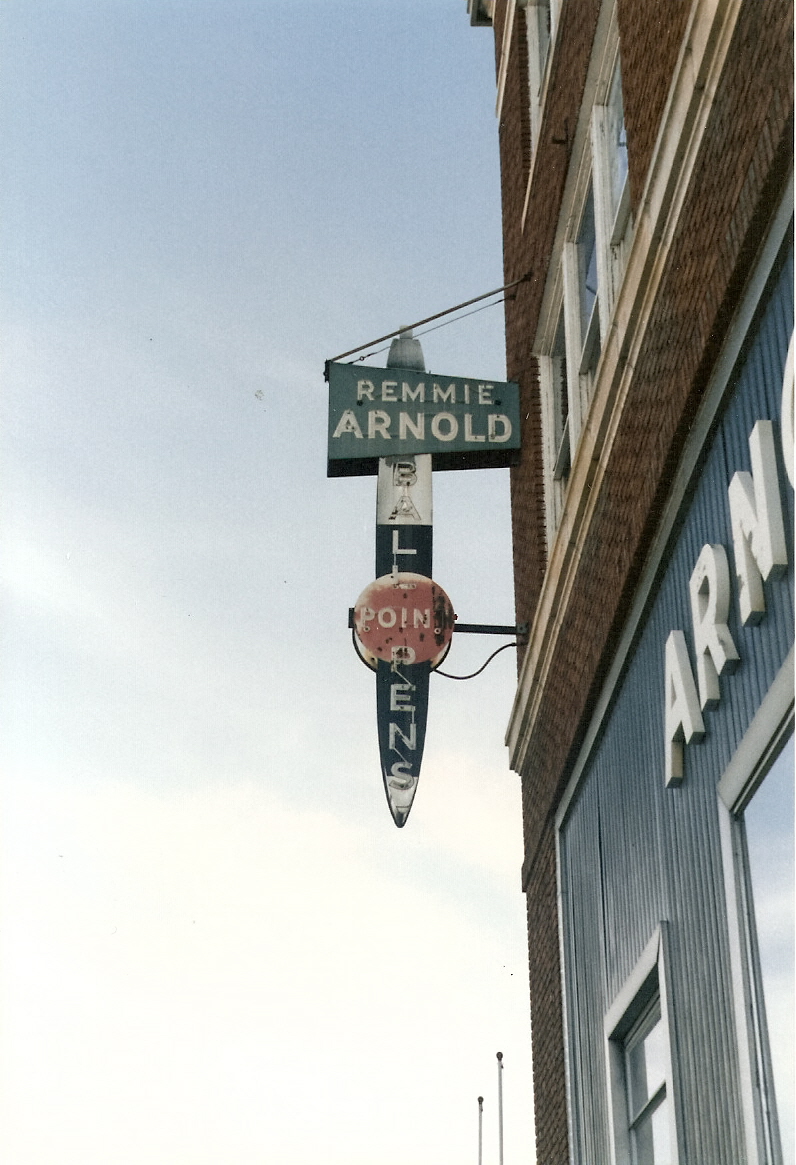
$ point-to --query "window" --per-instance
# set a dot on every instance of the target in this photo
(758, 849)
(590, 254)
(768, 829)
(582, 296)
(541, 21)
(560, 398)
(617, 158)
(557, 424)
(538, 31)
(588, 301)
(505, 53)
(645, 1056)
(540, 14)
(640, 1064)
(611, 185)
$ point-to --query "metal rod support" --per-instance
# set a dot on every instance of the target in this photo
(427, 320)
(473, 628)
(491, 628)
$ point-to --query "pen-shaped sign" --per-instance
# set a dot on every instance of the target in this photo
(403, 623)
(401, 422)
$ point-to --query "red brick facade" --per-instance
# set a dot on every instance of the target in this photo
(740, 171)
(650, 36)
(549, 1082)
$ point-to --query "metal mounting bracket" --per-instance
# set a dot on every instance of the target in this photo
(491, 628)
(472, 628)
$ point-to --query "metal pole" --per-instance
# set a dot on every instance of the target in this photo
(500, 1107)
(480, 1129)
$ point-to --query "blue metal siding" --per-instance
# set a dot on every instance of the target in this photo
(634, 852)
(584, 927)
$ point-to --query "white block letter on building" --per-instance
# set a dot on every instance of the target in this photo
(683, 720)
(758, 532)
(709, 589)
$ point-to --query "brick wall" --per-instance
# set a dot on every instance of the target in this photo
(650, 35)
(549, 1081)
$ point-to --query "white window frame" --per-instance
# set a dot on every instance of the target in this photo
(772, 724)
(581, 341)
(539, 68)
(505, 54)
(612, 217)
(556, 437)
(647, 979)
(590, 337)
(559, 447)
(541, 42)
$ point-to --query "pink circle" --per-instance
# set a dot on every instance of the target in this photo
(404, 618)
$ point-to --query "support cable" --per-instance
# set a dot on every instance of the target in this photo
(428, 319)
(444, 324)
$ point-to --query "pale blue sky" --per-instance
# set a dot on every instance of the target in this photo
(216, 945)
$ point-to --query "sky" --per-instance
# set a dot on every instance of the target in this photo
(216, 947)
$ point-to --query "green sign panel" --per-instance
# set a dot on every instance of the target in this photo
(463, 422)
